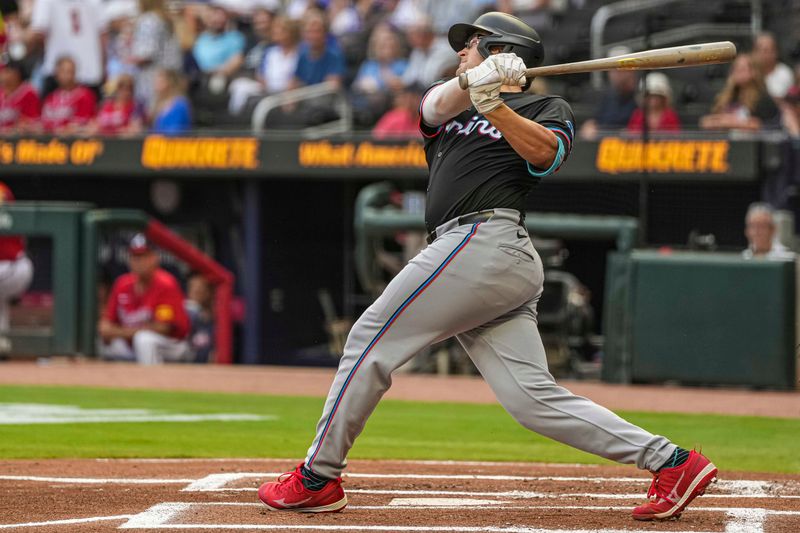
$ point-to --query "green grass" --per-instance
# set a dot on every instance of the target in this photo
(397, 430)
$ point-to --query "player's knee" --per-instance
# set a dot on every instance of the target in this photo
(145, 346)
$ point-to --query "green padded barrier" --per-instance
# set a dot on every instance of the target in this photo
(617, 305)
(708, 318)
(61, 222)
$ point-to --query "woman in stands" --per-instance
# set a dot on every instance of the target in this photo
(744, 103)
(380, 76)
(661, 116)
(172, 112)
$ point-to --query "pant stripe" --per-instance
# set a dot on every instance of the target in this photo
(385, 328)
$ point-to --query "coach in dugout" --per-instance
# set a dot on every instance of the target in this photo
(144, 318)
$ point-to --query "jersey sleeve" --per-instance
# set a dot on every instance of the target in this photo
(169, 309)
(428, 132)
(555, 115)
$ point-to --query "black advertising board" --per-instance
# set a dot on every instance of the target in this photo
(609, 159)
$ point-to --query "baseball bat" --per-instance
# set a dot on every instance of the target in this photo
(689, 55)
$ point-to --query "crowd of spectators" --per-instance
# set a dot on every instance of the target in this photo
(122, 67)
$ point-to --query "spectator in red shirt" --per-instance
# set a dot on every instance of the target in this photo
(68, 109)
(119, 114)
(145, 318)
(19, 104)
(402, 121)
(658, 103)
(16, 272)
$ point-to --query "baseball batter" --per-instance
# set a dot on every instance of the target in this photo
(480, 280)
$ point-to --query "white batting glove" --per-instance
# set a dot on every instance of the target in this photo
(510, 68)
(486, 98)
(484, 74)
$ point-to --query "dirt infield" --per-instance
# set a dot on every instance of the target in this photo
(316, 382)
(220, 495)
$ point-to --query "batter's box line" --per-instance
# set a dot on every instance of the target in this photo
(741, 520)
(736, 488)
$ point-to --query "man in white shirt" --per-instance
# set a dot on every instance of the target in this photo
(72, 28)
(778, 77)
(760, 232)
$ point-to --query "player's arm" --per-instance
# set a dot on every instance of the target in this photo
(161, 328)
(533, 142)
(443, 102)
(109, 330)
(446, 100)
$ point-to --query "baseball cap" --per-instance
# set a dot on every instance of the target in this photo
(139, 245)
(619, 50)
(657, 83)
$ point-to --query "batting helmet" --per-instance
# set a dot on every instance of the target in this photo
(507, 31)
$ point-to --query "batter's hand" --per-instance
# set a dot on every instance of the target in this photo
(510, 68)
(486, 98)
(484, 74)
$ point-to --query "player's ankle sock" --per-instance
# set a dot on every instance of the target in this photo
(312, 480)
(678, 458)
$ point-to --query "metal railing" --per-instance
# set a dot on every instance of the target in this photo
(326, 89)
(663, 38)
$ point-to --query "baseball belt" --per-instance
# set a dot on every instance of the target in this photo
(472, 218)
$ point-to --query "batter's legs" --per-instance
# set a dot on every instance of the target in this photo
(446, 289)
(509, 354)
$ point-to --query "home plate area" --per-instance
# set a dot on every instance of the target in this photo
(393, 496)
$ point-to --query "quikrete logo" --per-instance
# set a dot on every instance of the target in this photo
(223, 153)
(619, 156)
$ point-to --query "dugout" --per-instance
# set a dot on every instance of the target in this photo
(280, 208)
(66, 254)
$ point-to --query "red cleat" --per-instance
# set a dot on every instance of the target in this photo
(675, 488)
(289, 494)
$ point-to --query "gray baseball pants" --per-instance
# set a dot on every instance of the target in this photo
(480, 283)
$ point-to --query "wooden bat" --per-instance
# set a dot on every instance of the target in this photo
(689, 55)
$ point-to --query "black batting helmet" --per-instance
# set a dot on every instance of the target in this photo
(503, 30)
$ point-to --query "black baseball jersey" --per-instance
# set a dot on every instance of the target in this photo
(473, 168)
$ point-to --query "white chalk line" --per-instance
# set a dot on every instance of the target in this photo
(746, 521)
(34, 413)
(158, 515)
(214, 479)
(743, 520)
(517, 494)
(295, 461)
(753, 489)
(742, 487)
(397, 504)
(68, 521)
(422, 529)
(97, 481)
